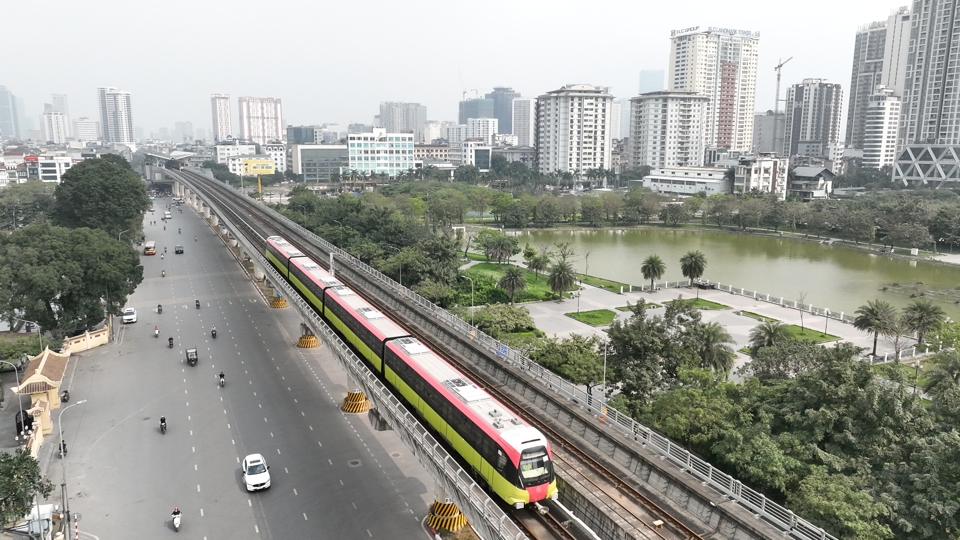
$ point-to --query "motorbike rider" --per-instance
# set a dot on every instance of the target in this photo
(213, 331)
(163, 273)
(159, 308)
(194, 238)
(163, 422)
(63, 448)
(65, 397)
(176, 512)
(156, 331)
(170, 341)
(178, 230)
(223, 379)
(198, 303)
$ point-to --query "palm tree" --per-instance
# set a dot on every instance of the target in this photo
(874, 318)
(513, 281)
(562, 278)
(692, 265)
(653, 269)
(714, 348)
(946, 374)
(767, 334)
(923, 316)
(499, 248)
(538, 263)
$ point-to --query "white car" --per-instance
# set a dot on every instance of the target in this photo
(256, 473)
(129, 315)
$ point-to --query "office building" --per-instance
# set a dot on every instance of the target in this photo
(304, 134)
(503, 107)
(523, 154)
(225, 150)
(475, 108)
(455, 133)
(261, 119)
(54, 127)
(525, 121)
(86, 129)
(222, 119)
(318, 163)
(812, 118)
(879, 59)
(667, 130)
(278, 153)
(615, 112)
(485, 129)
(880, 130)
(60, 105)
(651, 80)
(52, 166)
(432, 153)
(686, 181)
(380, 153)
(720, 64)
(403, 118)
(767, 132)
(116, 115)
(766, 173)
(471, 152)
(573, 129)
(9, 117)
(432, 130)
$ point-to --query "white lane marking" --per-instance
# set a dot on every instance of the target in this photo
(191, 433)
(305, 516)
(278, 451)
(201, 512)
(285, 470)
(194, 448)
(311, 428)
(198, 488)
(249, 503)
(295, 491)
(256, 529)
(194, 466)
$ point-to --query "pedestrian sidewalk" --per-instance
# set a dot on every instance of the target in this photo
(550, 315)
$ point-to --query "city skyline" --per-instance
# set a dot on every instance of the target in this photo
(161, 99)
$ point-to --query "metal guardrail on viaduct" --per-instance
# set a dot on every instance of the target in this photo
(706, 495)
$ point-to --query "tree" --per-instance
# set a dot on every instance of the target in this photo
(673, 214)
(782, 360)
(840, 505)
(539, 263)
(480, 198)
(946, 374)
(653, 269)
(767, 334)
(591, 210)
(20, 481)
(513, 281)
(714, 347)
(498, 320)
(22, 204)
(100, 194)
(61, 277)
(874, 318)
(575, 358)
(562, 277)
(923, 316)
(692, 265)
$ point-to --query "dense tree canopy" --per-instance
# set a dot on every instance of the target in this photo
(66, 279)
(20, 481)
(22, 204)
(101, 194)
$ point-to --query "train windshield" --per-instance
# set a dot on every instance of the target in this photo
(535, 467)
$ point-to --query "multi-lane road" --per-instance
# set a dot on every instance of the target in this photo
(333, 475)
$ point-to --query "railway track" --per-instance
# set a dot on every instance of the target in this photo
(614, 489)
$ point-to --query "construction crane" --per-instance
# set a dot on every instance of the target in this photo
(776, 106)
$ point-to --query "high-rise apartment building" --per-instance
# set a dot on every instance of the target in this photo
(812, 118)
(503, 107)
(880, 130)
(86, 129)
(222, 120)
(380, 152)
(929, 135)
(261, 119)
(573, 129)
(476, 108)
(525, 121)
(398, 117)
(9, 117)
(721, 64)
(485, 129)
(879, 59)
(116, 115)
(666, 129)
(765, 132)
(53, 124)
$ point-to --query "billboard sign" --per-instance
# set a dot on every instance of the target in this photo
(255, 166)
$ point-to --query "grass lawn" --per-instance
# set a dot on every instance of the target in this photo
(809, 334)
(757, 316)
(535, 288)
(909, 370)
(597, 317)
(612, 286)
(476, 256)
(700, 303)
(650, 305)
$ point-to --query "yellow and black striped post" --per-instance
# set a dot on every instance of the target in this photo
(277, 301)
(355, 402)
(307, 339)
(446, 515)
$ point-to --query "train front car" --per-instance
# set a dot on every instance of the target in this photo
(279, 252)
(512, 457)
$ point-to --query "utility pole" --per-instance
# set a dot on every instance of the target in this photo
(776, 109)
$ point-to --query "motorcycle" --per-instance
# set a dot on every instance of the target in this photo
(213, 333)
(176, 520)
(63, 449)
(156, 332)
(65, 396)
(159, 309)
(170, 342)
(163, 273)
(198, 304)
(223, 382)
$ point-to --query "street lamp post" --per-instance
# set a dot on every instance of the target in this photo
(471, 299)
(341, 232)
(17, 371)
(63, 462)
(121, 232)
(826, 320)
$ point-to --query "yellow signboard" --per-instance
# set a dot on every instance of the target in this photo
(254, 166)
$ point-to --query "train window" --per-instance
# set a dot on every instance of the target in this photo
(501, 460)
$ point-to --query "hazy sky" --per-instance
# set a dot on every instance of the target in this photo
(335, 61)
